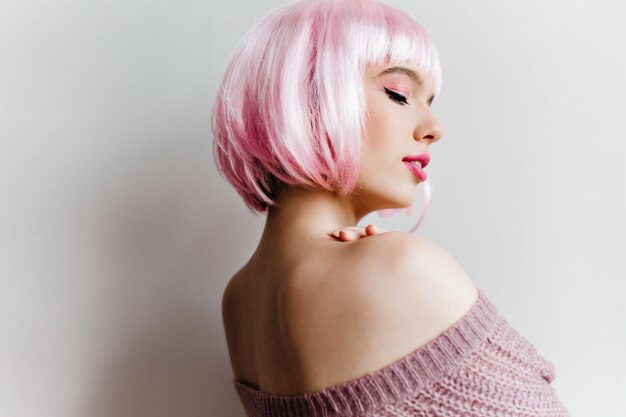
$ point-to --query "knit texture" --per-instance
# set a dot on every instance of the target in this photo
(480, 366)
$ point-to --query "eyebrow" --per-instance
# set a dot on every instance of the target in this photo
(412, 74)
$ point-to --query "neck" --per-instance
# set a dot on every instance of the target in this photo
(305, 217)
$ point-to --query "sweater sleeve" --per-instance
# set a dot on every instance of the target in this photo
(504, 376)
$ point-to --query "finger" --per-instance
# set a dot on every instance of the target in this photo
(349, 235)
(372, 229)
(342, 235)
(354, 232)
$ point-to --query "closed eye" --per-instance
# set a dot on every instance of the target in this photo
(399, 98)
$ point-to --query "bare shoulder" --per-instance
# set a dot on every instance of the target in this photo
(394, 293)
(412, 268)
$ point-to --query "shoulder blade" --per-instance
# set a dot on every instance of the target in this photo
(400, 292)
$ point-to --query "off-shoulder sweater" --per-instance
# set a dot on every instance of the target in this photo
(478, 367)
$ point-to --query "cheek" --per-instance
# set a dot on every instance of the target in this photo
(384, 134)
(382, 120)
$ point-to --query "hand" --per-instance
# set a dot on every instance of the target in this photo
(350, 233)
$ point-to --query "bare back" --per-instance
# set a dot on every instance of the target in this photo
(300, 328)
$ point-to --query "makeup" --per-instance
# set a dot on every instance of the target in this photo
(416, 169)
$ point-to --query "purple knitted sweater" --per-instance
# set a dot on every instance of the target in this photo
(480, 366)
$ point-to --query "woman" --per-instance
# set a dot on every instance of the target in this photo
(320, 106)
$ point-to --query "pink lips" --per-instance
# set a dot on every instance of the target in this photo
(424, 159)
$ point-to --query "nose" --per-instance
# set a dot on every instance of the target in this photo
(429, 129)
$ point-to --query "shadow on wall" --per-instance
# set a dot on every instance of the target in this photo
(160, 314)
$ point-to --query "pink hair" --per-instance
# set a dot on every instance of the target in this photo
(291, 105)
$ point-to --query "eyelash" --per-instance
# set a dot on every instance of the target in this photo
(396, 97)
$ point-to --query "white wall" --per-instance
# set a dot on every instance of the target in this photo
(117, 235)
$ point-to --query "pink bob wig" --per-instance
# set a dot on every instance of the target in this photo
(291, 105)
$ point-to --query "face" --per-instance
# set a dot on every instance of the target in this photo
(400, 124)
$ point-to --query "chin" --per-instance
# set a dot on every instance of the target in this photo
(402, 203)
(408, 196)
(391, 195)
